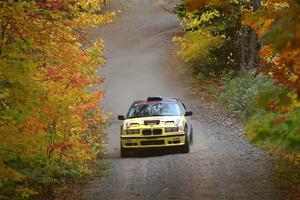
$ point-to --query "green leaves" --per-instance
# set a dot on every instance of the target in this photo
(279, 34)
(281, 129)
(241, 94)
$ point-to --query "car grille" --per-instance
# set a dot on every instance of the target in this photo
(153, 142)
(151, 122)
(147, 132)
(152, 132)
(157, 131)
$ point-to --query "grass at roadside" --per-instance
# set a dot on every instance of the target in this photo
(237, 94)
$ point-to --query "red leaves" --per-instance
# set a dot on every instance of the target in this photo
(283, 118)
(279, 76)
(70, 76)
(47, 67)
(79, 80)
(276, 123)
(50, 4)
(279, 120)
(198, 4)
(53, 73)
(62, 146)
(278, 25)
(272, 105)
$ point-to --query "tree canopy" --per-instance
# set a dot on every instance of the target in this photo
(51, 125)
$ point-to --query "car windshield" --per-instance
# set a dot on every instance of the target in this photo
(147, 109)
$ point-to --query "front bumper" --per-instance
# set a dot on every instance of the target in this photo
(152, 141)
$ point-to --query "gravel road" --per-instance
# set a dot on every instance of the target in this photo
(221, 164)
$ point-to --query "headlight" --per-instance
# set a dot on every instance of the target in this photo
(131, 124)
(177, 122)
(171, 129)
(133, 131)
(127, 125)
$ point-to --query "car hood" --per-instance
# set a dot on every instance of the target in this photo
(141, 120)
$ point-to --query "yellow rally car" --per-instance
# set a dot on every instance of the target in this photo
(156, 122)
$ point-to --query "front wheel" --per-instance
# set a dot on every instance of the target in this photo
(191, 136)
(124, 152)
(186, 146)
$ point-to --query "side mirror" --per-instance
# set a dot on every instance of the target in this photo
(188, 113)
(121, 117)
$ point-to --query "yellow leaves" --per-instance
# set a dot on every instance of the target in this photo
(275, 5)
(294, 78)
(177, 39)
(47, 114)
(190, 21)
(293, 159)
(295, 102)
(85, 20)
(269, 55)
(7, 174)
(25, 192)
(209, 15)
(196, 46)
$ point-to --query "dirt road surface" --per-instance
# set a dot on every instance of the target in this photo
(221, 164)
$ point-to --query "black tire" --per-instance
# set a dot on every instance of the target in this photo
(124, 152)
(191, 136)
(186, 146)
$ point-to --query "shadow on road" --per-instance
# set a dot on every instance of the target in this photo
(143, 153)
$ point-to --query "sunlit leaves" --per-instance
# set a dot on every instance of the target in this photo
(212, 33)
(197, 45)
(277, 23)
(50, 122)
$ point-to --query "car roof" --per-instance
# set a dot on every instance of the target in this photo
(163, 99)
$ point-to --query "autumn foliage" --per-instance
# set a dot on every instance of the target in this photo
(278, 25)
(261, 39)
(51, 125)
(260, 36)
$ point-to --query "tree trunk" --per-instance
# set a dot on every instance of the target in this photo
(249, 44)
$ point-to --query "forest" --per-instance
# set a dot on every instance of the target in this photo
(248, 53)
(51, 125)
(241, 55)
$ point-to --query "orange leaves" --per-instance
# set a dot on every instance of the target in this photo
(259, 21)
(278, 25)
(82, 108)
(264, 27)
(53, 74)
(32, 126)
(80, 80)
(50, 4)
(62, 146)
(267, 51)
(194, 4)
(99, 93)
(286, 69)
(198, 4)
(46, 109)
